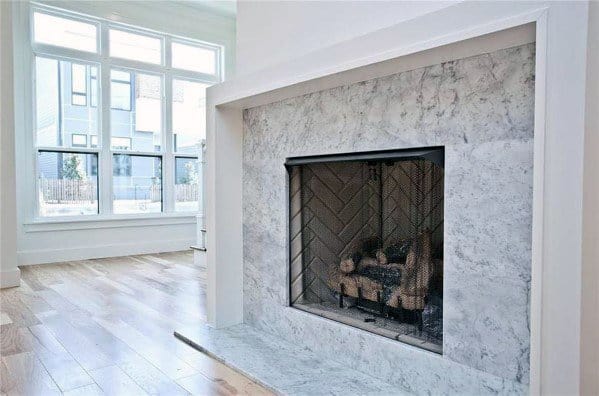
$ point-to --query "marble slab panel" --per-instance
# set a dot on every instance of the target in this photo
(481, 110)
(286, 368)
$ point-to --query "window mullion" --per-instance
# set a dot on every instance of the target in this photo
(168, 169)
(105, 168)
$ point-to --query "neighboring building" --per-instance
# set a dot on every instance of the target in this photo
(69, 118)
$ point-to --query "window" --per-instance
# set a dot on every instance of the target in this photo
(68, 183)
(93, 87)
(64, 32)
(120, 90)
(120, 143)
(187, 184)
(156, 95)
(195, 58)
(78, 140)
(189, 115)
(141, 122)
(78, 84)
(135, 47)
(137, 184)
(56, 118)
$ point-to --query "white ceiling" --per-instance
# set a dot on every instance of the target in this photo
(222, 7)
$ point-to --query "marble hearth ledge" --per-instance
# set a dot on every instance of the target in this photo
(281, 366)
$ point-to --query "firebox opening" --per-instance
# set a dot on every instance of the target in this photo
(366, 241)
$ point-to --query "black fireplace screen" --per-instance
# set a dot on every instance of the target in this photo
(366, 241)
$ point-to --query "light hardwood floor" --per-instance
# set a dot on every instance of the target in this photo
(106, 326)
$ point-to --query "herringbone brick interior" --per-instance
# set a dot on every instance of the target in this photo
(335, 206)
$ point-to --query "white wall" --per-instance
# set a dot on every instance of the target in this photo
(271, 32)
(9, 273)
(590, 242)
(61, 241)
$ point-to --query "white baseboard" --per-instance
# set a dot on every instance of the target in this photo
(44, 256)
(11, 278)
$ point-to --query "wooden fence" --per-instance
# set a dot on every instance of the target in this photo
(86, 190)
(183, 192)
(68, 190)
(187, 192)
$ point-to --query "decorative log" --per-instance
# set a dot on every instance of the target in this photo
(395, 299)
(357, 273)
(369, 288)
(416, 274)
(351, 283)
(367, 261)
(347, 266)
(381, 257)
(392, 266)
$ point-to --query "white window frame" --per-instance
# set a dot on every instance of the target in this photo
(143, 32)
(191, 43)
(104, 64)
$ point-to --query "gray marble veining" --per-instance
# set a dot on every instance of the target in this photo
(282, 366)
(481, 109)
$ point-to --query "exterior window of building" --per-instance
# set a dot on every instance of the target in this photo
(120, 90)
(79, 140)
(121, 143)
(151, 121)
(78, 84)
(93, 87)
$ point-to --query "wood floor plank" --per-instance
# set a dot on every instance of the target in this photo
(200, 385)
(56, 301)
(113, 381)
(105, 326)
(30, 278)
(29, 377)
(4, 319)
(88, 390)
(82, 349)
(146, 347)
(14, 339)
(35, 303)
(150, 378)
(7, 382)
(19, 314)
(227, 377)
(62, 367)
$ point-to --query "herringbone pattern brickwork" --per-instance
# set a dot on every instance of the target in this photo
(335, 206)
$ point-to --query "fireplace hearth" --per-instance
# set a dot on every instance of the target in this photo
(366, 241)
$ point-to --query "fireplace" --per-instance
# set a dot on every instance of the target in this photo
(366, 241)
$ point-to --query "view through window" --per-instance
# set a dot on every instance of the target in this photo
(133, 150)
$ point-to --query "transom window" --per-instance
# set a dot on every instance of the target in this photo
(118, 124)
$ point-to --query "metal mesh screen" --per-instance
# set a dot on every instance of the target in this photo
(366, 212)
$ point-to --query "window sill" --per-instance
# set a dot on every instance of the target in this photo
(112, 221)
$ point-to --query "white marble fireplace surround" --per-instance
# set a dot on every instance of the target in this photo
(481, 109)
(463, 30)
